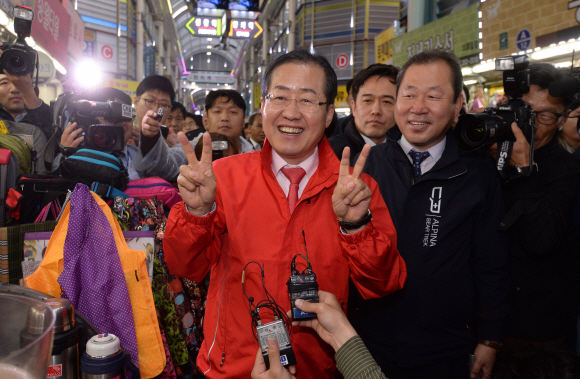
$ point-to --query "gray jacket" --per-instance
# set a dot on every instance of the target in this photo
(164, 161)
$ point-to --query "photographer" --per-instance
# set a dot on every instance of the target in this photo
(19, 102)
(224, 114)
(543, 295)
(71, 137)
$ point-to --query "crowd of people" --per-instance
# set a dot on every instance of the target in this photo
(429, 263)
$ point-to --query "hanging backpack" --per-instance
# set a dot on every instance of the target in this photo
(18, 147)
(88, 166)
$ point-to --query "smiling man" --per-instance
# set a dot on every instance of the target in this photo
(224, 114)
(372, 104)
(446, 207)
(268, 206)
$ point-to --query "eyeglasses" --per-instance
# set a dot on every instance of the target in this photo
(304, 105)
(151, 104)
(547, 117)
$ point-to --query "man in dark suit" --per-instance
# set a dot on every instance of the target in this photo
(372, 103)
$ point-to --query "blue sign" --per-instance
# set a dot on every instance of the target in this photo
(88, 48)
(523, 40)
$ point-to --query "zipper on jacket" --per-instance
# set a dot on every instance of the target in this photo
(223, 358)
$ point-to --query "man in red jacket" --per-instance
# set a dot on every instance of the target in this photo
(265, 206)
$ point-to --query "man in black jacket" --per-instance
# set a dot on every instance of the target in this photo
(372, 103)
(543, 253)
(19, 102)
(446, 206)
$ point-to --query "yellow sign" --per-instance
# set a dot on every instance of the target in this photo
(90, 36)
(257, 94)
(126, 86)
(3, 128)
(340, 101)
(383, 46)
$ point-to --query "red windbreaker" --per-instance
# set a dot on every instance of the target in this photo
(252, 222)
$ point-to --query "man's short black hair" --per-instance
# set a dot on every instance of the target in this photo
(189, 114)
(156, 82)
(175, 105)
(252, 117)
(229, 94)
(466, 90)
(349, 86)
(109, 94)
(379, 70)
(303, 56)
(545, 74)
(432, 56)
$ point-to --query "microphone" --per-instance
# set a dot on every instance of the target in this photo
(567, 87)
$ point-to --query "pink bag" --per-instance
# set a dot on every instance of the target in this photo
(150, 187)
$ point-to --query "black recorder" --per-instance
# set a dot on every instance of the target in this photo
(302, 286)
(277, 329)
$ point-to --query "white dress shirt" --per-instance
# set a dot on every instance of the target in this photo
(370, 141)
(309, 165)
(435, 153)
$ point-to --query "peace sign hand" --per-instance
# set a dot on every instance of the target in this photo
(351, 197)
(196, 181)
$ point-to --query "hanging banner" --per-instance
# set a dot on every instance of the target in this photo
(257, 94)
(457, 33)
(340, 100)
(50, 28)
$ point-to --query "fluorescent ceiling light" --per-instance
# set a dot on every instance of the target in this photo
(555, 51)
(484, 67)
(469, 82)
(563, 64)
(466, 71)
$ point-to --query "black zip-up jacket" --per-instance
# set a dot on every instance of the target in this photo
(543, 251)
(351, 138)
(447, 233)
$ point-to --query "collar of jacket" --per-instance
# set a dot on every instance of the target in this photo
(447, 167)
(326, 174)
(351, 132)
(4, 115)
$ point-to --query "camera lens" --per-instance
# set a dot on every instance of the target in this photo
(16, 62)
(104, 138)
(475, 134)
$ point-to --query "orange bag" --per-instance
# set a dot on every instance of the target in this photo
(151, 353)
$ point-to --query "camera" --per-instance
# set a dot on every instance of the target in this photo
(69, 107)
(18, 58)
(476, 130)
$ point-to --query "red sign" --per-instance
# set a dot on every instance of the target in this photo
(54, 371)
(50, 28)
(342, 61)
(107, 52)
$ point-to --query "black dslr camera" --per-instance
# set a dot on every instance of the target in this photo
(18, 58)
(104, 137)
(476, 130)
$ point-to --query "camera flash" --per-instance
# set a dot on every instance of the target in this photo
(23, 13)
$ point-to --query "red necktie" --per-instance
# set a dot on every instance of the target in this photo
(295, 175)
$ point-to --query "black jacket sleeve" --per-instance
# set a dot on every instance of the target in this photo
(541, 204)
(489, 265)
(40, 117)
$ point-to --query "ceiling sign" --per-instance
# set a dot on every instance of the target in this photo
(244, 29)
(210, 77)
(203, 26)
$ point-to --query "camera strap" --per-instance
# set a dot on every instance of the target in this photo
(503, 156)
